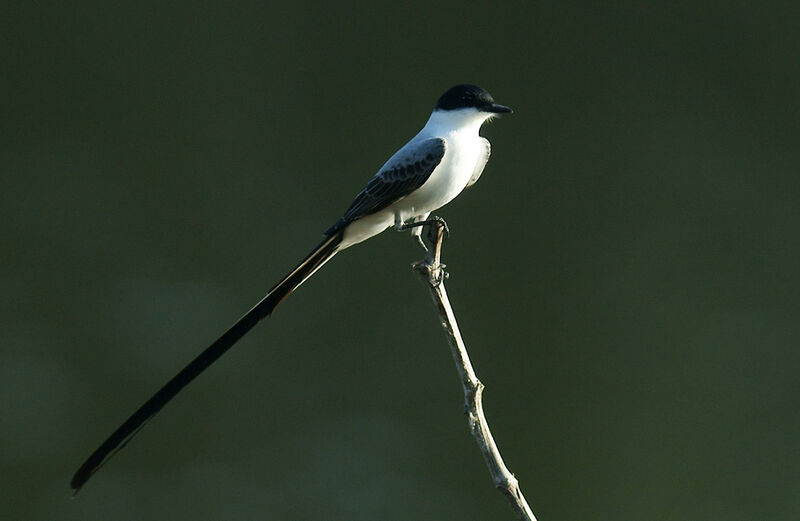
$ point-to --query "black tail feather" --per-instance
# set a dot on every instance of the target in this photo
(125, 432)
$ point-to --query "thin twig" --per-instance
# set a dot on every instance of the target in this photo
(432, 271)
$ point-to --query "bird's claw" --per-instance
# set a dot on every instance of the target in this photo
(441, 223)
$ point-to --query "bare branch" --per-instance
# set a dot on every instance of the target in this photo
(432, 271)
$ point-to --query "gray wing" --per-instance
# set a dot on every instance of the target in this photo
(399, 177)
(483, 158)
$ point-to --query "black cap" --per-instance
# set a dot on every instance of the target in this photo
(470, 96)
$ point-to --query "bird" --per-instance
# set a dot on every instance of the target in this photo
(437, 164)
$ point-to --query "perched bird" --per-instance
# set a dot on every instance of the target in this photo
(429, 171)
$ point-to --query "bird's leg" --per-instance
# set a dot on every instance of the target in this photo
(416, 229)
(432, 265)
(400, 226)
(434, 235)
(421, 243)
(416, 233)
(427, 222)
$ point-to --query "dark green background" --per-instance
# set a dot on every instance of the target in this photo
(625, 272)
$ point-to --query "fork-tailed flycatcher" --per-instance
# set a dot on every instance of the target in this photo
(446, 156)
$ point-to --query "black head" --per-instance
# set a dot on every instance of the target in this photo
(470, 96)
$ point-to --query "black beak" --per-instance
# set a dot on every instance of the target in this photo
(498, 109)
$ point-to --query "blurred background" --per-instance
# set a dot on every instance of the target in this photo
(625, 272)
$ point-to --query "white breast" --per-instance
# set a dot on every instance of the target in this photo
(448, 179)
(464, 148)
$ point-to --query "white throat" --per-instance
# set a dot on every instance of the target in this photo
(468, 120)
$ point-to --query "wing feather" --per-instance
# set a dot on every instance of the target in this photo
(483, 158)
(398, 178)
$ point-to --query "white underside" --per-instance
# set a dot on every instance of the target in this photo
(464, 150)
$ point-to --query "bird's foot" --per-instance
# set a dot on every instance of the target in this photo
(433, 221)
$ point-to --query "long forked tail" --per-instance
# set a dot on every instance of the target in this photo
(120, 437)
